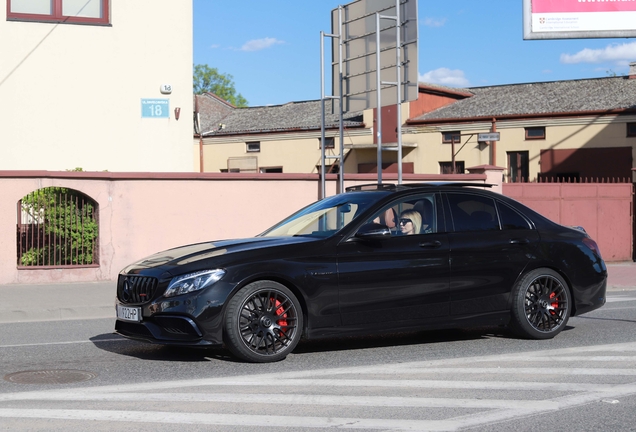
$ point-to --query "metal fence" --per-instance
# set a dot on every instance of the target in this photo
(564, 178)
(57, 227)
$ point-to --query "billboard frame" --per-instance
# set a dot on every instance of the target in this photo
(530, 34)
(356, 23)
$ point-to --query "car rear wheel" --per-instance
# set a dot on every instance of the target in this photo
(541, 304)
(263, 322)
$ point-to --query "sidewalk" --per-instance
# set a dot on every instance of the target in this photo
(79, 300)
(621, 276)
(87, 300)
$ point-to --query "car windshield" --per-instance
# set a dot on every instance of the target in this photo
(325, 217)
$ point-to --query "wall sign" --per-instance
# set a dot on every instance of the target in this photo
(155, 108)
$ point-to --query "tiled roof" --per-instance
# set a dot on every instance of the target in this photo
(293, 116)
(212, 110)
(556, 97)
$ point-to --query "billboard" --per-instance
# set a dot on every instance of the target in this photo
(579, 19)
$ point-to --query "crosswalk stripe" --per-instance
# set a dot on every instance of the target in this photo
(370, 382)
(262, 421)
(299, 399)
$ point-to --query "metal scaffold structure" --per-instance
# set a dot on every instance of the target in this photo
(371, 40)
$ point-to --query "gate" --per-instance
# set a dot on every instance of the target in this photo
(604, 210)
(57, 227)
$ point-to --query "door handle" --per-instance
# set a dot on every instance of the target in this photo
(519, 241)
(431, 244)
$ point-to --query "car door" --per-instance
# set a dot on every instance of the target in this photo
(491, 244)
(399, 280)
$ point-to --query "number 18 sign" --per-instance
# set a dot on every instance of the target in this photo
(155, 108)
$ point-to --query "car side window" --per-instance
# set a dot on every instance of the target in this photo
(409, 215)
(511, 219)
(473, 212)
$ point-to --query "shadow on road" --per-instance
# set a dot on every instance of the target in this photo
(147, 351)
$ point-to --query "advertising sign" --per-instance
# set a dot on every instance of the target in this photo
(579, 19)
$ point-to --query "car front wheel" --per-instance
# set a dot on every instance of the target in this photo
(541, 304)
(263, 322)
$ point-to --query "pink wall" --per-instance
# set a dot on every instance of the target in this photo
(142, 213)
(603, 209)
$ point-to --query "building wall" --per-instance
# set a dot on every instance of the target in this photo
(561, 133)
(294, 152)
(71, 94)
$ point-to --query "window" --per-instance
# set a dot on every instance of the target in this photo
(330, 143)
(535, 133)
(264, 170)
(60, 11)
(411, 215)
(57, 227)
(447, 167)
(253, 147)
(448, 137)
(631, 129)
(472, 212)
(518, 166)
(511, 220)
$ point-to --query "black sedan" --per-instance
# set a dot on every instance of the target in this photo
(377, 258)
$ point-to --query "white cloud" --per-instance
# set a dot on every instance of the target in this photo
(621, 54)
(445, 76)
(434, 22)
(260, 44)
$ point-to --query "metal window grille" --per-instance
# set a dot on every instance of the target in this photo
(57, 227)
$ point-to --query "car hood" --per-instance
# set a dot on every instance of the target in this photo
(191, 254)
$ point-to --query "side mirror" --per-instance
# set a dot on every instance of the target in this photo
(373, 231)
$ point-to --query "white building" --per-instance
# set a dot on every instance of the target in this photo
(96, 84)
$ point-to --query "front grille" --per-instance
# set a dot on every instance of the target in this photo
(136, 289)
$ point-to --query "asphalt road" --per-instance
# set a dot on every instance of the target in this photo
(76, 374)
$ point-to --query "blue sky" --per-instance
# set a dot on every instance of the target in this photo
(272, 47)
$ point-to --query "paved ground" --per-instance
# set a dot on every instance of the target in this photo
(26, 303)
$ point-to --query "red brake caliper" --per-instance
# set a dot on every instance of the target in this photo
(281, 322)
(554, 304)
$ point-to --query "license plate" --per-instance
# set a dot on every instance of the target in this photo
(129, 313)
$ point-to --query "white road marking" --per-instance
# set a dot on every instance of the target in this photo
(490, 410)
(619, 299)
(295, 399)
(64, 343)
(229, 419)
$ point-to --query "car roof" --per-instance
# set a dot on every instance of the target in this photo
(412, 186)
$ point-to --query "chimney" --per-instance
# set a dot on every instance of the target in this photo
(632, 70)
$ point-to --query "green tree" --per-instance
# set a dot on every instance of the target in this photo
(207, 79)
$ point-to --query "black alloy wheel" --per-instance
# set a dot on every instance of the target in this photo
(541, 304)
(263, 322)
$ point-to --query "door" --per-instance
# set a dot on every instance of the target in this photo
(491, 244)
(402, 279)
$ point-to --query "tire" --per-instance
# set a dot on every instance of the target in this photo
(541, 304)
(263, 322)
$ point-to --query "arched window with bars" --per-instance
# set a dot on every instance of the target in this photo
(57, 227)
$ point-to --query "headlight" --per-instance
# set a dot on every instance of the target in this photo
(193, 282)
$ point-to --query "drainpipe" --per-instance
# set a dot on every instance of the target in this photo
(198, 120)
(200, 144)
(493, 144)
